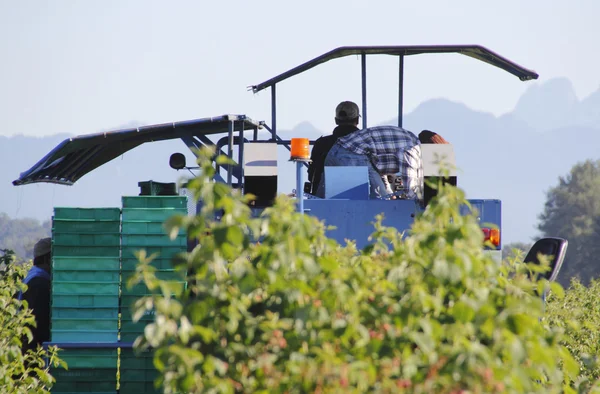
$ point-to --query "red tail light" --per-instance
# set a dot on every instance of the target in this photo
(492, 235)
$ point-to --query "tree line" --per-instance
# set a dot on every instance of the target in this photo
(19, 235)
(572, 211)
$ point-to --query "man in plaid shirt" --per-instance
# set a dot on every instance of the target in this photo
(385, 150)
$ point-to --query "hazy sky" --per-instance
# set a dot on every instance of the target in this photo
(83, 66)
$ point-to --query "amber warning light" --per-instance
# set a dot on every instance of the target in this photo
(492, 235)
(299, 150)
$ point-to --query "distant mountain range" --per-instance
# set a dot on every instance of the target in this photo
(515, 157)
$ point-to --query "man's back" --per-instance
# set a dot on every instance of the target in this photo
(382, 144)
(319, 152)
(38, 300)
(391, 150)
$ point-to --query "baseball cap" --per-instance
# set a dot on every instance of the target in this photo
(346, 110)
(42, 247)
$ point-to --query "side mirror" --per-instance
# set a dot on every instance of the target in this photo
(177, 161)
(555, 249)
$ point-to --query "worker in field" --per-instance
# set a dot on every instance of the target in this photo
(346, 119)
(385, 150)
(37, 294)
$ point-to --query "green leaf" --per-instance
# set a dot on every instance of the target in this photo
(557, 290)
(463, 312)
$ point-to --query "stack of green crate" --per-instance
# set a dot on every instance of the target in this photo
(142, 228)
(137, 372)
(90, 371)
(85, 274)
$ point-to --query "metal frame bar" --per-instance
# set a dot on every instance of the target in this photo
(274, 110)
(363, 73)
(300, 186)
(230, 128)
(475, 51)
(400, 89)
(192, 143)
(241, 156)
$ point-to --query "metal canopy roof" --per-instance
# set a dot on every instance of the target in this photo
(75, 157)
(475, 51)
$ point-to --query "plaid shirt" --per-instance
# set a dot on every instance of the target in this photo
(392, 150)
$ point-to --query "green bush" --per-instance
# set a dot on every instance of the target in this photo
(296, 312)
(19, 373)
(578, 314)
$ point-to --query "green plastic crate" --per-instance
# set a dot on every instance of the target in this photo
(89, 358)
(129, 336)
(138, 375)
(141, 289)
(144, 227)
(84, 300)
(158, 263)
(85, 251)
(130, 327)
(164, 252)
(73, 374)
(162, 275)
(86, 386)
(75, 239)
(85, 313)
(84, 287)
(127, 387)
(154, 202)
(127, 303)
(87, 213)
(78, 392)
(90, 276)
(151, 214)
(62, 263)
(85, 335)
(85, 226)
(130, 359)
(126, 316)
(152, 240)
(80, 324)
